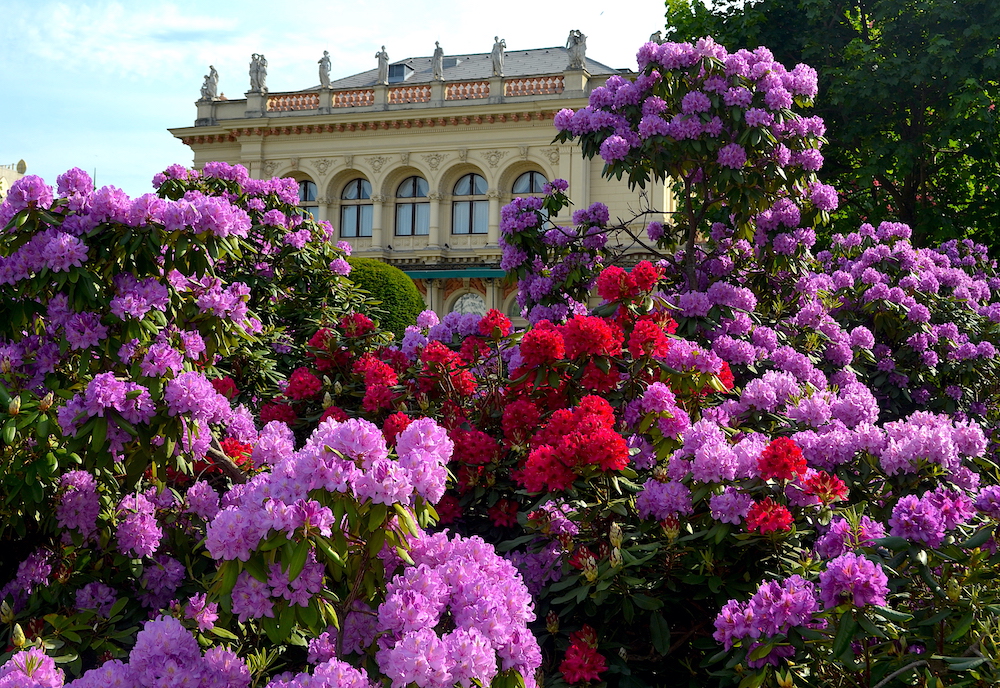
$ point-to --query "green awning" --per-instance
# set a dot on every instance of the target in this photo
(455, 274)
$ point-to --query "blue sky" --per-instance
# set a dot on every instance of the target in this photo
(96, 84)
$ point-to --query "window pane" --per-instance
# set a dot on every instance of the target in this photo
(463, 187)
(460, 217)
(480, 217)
(307, 191)
(312, 210)
(404, 219)
(479, 183)
(422, 187)
(523, 183)
(405, 189)
(351, 191)
(365, 227)
(423, 220)
(348, 220)
(366, 189)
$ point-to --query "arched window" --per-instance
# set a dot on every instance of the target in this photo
(413, 218)
(307, 197)
(356, 209)
(530, 183)
(470, 303)
(470, 210)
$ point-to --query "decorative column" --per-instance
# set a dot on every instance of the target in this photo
(493, 230)
(378, 243)
(323, 212)
(434, 238)
(433, 294)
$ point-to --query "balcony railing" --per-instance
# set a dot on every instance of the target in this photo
(293, 101)
(534, 86)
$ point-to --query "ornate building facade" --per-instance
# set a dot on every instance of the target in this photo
(412, 161)
(10, 174)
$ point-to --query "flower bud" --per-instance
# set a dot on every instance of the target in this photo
(953, 590)
(17, 637)
(616, 558)
(671, 527)
(552, 623)
(660, 474)
(337, 387)
(46, 403)
(6, 613)
(14, 407)
(615, 535)
(590, 569)
(424, 402)
(327, 400)
(5, 366)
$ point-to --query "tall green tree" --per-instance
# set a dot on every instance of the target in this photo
(909, 92)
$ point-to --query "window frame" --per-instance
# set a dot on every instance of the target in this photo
(471, 201)
(404, 204)
(358, 204)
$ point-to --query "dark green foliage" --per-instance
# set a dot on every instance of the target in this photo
(399, 301)
(908, 90)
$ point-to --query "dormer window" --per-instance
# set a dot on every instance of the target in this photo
(399, 73)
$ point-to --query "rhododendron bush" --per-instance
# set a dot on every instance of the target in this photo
(752, 463)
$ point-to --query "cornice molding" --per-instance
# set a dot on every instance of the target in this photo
(234, 134)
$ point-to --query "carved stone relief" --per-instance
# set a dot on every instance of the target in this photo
(377, 162)
(323, 165)
(494, 157)
(552, 154)
(270, 167)
(434, 159)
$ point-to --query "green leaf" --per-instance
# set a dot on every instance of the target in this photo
(962, 627)
(964, 663)
(660, 632)
(298, 560)
(845, 634)
(223, 633)
(646, 602)
(890, 614)
(99, 434)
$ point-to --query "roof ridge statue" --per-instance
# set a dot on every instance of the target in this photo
(383, 67)
(209, 89)
(324, 70)
(437, 62)
(499, 45)
(258, 73)
(576, 44)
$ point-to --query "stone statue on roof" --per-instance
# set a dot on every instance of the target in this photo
(499, 45)
(656, 37)
(437, 62)
(383, 67)
(324, 70)
(576, 44)
(258, 73)
(209, 89)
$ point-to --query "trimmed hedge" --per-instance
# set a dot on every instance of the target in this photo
(401, 303)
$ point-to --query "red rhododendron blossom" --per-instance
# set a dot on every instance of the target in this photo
(504, 513)
(322, 339)
(583, 663)
(725, 375)
(277, 411)
(586, 336)
(648, 339)
(596, 380)
(335, 412)
(543, 471)
(226, 387)
(394, 425)
(303, 385)
(781, 459)
(356, 325)
(473, 446)
(582, 558)
(614, 284)
(768, 516)
(237, 451)
(474, 349)
(494, 319)
(468, 477)
(646, 275)
(542, 344)
(827, 488)
(520, 420)
(448, 509)
(379, 377)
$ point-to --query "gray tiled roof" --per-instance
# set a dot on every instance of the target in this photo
(517, 63)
